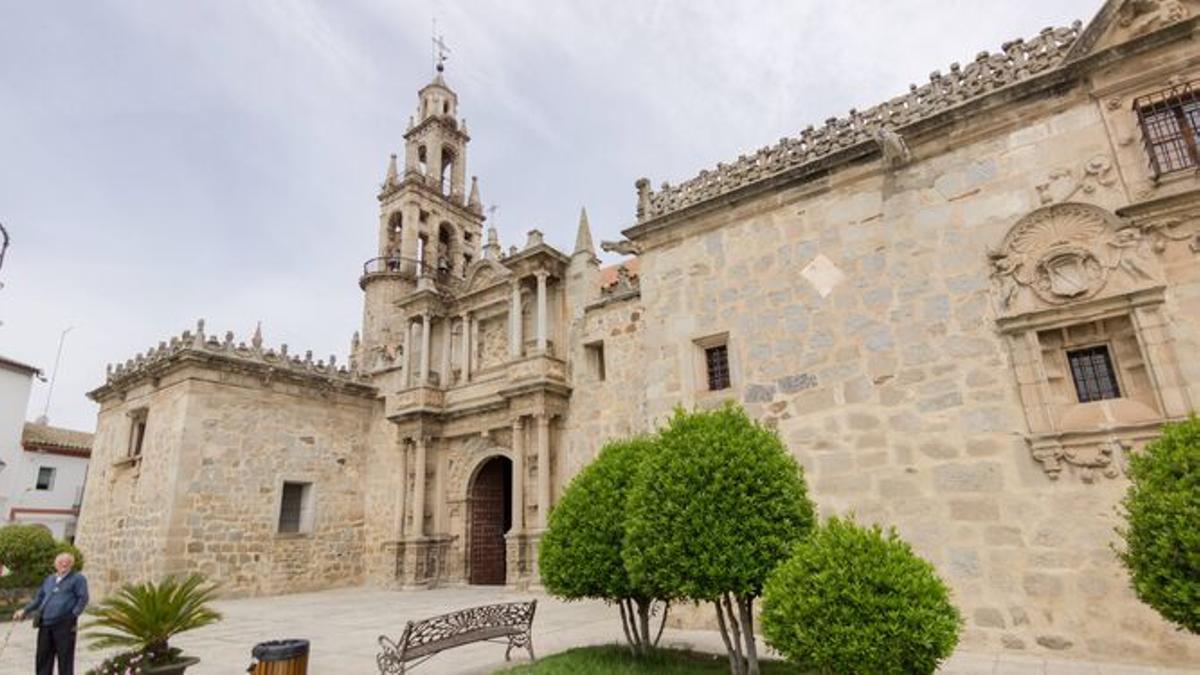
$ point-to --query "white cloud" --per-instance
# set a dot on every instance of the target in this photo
(164, 161)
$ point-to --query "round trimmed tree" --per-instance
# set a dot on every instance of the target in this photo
(1162, 509)
(852, 599)
(28, 552)
(580, 552)
(713, 511)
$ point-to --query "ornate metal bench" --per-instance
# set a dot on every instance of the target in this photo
(422, 640)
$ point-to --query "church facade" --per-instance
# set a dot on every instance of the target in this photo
(962, 310)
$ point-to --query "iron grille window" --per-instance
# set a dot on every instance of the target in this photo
(716, 359)
(1170, 121)
(1092, 370)
(45, 478)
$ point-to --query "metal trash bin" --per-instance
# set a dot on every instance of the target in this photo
(280, 657)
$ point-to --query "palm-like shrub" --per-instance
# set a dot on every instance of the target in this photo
(1162, 540)
(142, 618)
(858, 600)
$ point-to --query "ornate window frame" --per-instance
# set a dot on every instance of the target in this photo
(1068, 265)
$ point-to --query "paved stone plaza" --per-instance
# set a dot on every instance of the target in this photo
(343, 624)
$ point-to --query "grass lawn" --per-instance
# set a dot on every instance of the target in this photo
(616, 660)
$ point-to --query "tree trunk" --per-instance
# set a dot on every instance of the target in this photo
(643, 612)
(735, 664)
(663, 624)
(746, 607)
(625, 627)
(736, 630)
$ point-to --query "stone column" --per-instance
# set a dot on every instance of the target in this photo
(425, 321)
(406, 376)
(448, 336)
(543, 479)
(518, 472)
(402, 493)
(514, 316)
(466, 347)
(419, 489)
(474, 345)
(541, 311)
(439, 488)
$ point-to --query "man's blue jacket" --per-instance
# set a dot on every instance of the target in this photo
(60, 600)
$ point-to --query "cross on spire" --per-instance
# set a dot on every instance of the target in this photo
(440, 50)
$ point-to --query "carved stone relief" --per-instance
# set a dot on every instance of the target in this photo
(1067, 253)
(1106, 459)
(1061, 185)
(1138, 17)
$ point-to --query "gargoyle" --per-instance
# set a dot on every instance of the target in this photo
(895, 151)
(624, 247)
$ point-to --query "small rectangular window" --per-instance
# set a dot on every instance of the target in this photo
(1092, 370)
(716, 361)
(295, 508)
(595, 359)
(137, 431)
(45, 478)
(1170, 121)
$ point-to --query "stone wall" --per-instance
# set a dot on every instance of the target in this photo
(205, 494)
(126, 511)
(861, 324)
(240, 444)
(615, 406)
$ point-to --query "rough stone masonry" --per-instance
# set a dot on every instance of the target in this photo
(962, 310)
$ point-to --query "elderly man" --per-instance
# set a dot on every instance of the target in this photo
(60, 600)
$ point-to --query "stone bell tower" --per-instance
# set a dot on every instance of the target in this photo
(430, 225)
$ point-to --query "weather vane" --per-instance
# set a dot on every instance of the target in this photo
(440, 50)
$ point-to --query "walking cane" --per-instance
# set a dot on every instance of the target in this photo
(7, 635)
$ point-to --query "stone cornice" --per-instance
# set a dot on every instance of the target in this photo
(448, 123)
(417, 183)
(224, 355)
(1023, 68)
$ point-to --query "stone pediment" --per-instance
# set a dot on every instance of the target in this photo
(1120, 21)
(1071, 252)
(485, 274)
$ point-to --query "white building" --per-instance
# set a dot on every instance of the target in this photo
(43, 467)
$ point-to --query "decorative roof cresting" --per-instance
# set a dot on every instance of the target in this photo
(199, 342)
(1018, 60)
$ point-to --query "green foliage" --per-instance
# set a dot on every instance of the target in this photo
(143, 617)
(1162, 538)
(580, 555)
(715, 509)
(27, 551)
(856, 600)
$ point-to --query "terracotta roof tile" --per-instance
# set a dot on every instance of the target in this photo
(608, 275)
(45, 437)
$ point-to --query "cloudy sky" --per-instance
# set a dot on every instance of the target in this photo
(164, 161)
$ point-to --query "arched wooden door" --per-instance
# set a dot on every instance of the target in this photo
(490, 499)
